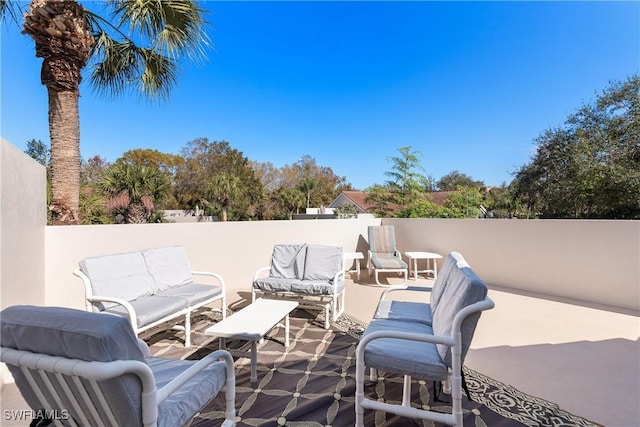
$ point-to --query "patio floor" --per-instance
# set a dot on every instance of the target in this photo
(585, 359)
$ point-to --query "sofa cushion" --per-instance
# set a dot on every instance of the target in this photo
(120, 275)
(316, 287)
(168, 267)
(418, 359)
(152, 308)
(322, 262)
(70, 333)
(462, 289)
(193, 293)
(276, 284)
(404, 310)
(287, 261)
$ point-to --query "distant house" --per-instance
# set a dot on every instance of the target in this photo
(358, 199)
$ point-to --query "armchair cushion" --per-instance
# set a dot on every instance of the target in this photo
(168, 267)
(189, 398)
(322, 262)
(120, 275)
(387, 261)
(418, 359)
(69, 333)
(287, 261)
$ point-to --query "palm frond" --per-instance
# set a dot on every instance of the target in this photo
(11, 9)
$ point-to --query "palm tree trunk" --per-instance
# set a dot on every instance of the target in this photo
(61, 34)
(64, 129)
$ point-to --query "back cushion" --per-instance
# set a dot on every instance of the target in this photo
(121, 275)
(463, 288)
(287, 261)
(70, 333)
(382, 238)
(168, 267)
(440, 283)
(322, 262)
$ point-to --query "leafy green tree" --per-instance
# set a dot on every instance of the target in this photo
(590, 167)
(203, 161)
(452, 180)
(39, 151)
(133, 190)
(425, 208)
(221, 190)
(291, 198)
(465, 202)
(346, 211)
(381, 200)
(138, 47)
(406, 183)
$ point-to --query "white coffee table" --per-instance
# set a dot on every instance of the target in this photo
(252, 323)
(431, 258)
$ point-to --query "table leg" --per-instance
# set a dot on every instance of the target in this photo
(254, 361)
(435, 269)
(286, 331)
(415, 268)
(358, 269)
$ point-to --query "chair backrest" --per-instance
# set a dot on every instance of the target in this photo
(123, 275)
(322, 262)
(382, 239)
(61, 336)
(168, 266)
(287, 261)
(463, 288)
(449, 265)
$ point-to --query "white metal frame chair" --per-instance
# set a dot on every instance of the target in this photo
(424, 348)
(89, 369)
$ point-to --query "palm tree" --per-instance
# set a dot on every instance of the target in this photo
(134, 190)
(68, 37)
(224, 188)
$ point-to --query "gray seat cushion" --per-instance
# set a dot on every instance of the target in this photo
(387, 261)
(404, 310)
(276, 284)
(418, 359)
(191, 397)
(322, 263)
(152, 308)
(193, 293)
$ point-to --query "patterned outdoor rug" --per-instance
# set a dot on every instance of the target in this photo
(312, 383)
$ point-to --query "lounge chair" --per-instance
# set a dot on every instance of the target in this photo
(384, 257)
(89, 369)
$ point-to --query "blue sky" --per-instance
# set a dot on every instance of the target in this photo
(468, 84)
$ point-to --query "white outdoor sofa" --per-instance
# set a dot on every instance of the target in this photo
(77, 368)
(149, 287)
(310, 274)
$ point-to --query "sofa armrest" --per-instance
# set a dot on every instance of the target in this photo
(131, 312)
(211, 274)
(260, 272)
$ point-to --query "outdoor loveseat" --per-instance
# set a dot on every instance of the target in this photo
(149, 287)
(424, 340)
(310, 274)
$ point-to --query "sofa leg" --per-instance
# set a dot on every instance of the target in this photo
(464, 384)
(187, 330)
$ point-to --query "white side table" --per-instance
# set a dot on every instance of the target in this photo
(356, 256)
(430, 257)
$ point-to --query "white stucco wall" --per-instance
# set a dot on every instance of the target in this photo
(22, 223)
(593, 261)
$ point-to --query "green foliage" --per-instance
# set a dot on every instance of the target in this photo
(199, 179)
(381, 200)
(452, 180)
(133, 189)
(465, 202)
(424, 208)
(590, 167)
(346, 211)
(405, 183)
(39, 151)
